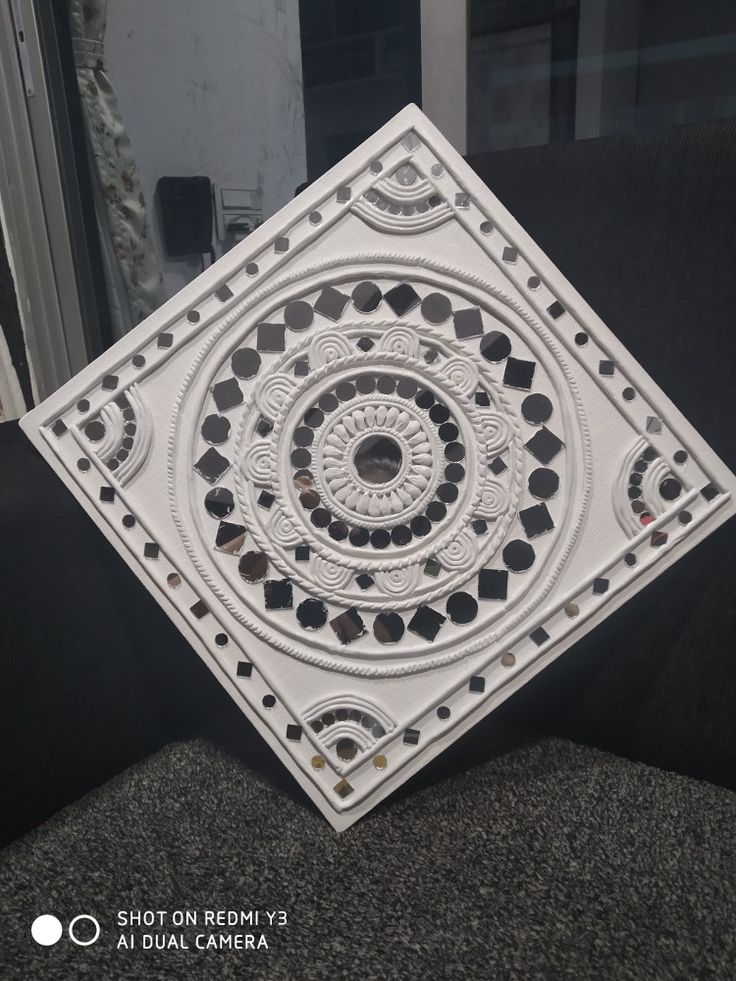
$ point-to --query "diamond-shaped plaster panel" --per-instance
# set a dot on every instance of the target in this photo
(385, 473)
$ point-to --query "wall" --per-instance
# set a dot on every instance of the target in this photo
(687, 70)
(509, 89)
(210, 88)
(362, 65)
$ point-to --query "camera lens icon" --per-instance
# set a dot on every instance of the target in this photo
(79, 919)
(46, 930)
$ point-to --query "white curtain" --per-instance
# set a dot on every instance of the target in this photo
(12, 403)
(132, 267)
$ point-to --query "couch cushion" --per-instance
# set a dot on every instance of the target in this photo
(93, 674)
(551, 861)
(645, 228)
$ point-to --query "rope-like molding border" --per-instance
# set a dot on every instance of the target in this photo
(468, 279)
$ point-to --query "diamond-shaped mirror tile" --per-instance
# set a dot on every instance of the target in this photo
(386, 466)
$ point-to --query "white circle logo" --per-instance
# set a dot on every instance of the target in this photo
(46, 930)
(84, 943)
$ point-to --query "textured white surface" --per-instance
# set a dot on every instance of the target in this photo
(395, 297)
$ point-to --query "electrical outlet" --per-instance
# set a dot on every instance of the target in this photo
(238, 212)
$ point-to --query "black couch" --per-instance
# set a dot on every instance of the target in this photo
(586, 829)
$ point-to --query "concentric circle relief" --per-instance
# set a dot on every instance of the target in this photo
(430, 516)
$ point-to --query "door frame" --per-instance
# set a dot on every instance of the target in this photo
(48, 246)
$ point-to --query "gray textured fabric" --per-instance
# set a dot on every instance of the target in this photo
(550, 862)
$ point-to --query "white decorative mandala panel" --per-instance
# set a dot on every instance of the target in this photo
(381, 464)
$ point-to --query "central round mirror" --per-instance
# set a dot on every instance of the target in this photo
(377, 459)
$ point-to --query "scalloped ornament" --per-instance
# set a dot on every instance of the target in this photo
(354, 462)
